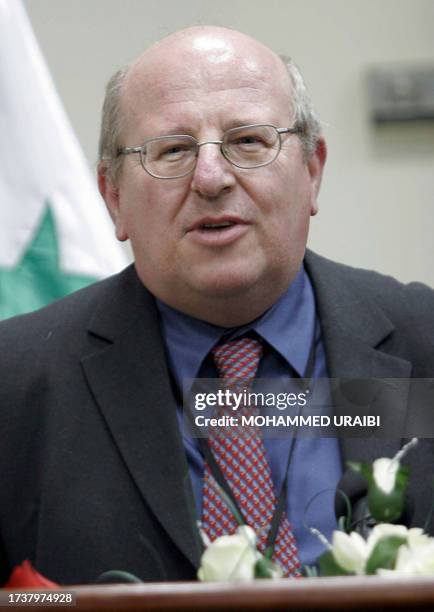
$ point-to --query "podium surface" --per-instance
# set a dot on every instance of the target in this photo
(332, 594)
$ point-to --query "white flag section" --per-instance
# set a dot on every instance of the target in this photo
(55, 234)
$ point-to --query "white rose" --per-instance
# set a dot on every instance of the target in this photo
(416, 562)
(415, 557)
(384, 472)
(385, 530)
(417, 538)
(230, 557)
(350, 551)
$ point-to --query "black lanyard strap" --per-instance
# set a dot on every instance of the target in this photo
(281, 500)
(218, 475)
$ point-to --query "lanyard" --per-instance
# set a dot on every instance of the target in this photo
(281, 500)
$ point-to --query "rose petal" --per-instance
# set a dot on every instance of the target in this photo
(384, 471)
(418, 562)
(350, 551)
(230, 557)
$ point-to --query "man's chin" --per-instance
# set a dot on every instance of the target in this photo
(226, 284)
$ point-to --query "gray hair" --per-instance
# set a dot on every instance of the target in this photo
(304, 113)
(111, 124)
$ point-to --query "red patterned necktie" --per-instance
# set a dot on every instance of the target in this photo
(241, 457)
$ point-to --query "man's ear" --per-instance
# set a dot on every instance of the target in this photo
(110, 194)
(315, 166)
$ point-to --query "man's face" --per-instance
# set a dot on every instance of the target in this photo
(203, 86)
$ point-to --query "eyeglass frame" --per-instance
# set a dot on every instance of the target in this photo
(296, 129)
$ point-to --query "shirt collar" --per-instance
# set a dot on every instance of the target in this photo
(288, 326)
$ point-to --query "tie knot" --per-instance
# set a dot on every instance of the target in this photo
(237, 361)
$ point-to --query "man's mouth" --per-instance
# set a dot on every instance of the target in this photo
(216, 226)
(217, 231)
(213, 223)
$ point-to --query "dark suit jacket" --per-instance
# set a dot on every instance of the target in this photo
(93, 474)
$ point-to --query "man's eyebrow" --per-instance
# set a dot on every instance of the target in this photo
(172, 130)
(191, 130)
(263, 119)
(237, 122)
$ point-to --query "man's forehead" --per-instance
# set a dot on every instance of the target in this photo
(212, 44)
(204, 59)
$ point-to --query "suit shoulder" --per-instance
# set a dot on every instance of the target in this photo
(414, 298)
(370, 280)
(406, 304)
(68, 313)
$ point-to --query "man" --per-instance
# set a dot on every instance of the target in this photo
(211, 163)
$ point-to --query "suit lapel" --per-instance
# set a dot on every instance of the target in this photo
(356, 334)
(128, 376)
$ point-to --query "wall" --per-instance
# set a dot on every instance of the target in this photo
(377, 202)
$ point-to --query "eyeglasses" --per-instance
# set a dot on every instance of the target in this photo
(248, 146)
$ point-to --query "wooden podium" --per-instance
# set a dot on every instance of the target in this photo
(331, 594)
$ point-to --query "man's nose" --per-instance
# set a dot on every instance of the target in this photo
(213, 173)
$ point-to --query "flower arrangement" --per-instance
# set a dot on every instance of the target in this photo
(374, 544)
(385, 548)
(390, 550)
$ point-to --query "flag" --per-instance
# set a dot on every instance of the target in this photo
(55, 234)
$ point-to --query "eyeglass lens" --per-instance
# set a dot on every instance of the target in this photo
(245, 147)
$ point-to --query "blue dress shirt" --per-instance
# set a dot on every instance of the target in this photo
(289, 328)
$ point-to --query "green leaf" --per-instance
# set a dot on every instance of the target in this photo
(384, 554)
(343, 524)
(269, 552)
(116, 576)
(329, 567)
(309, 571)
(388, 507)
(264, 568)
(384, 507)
